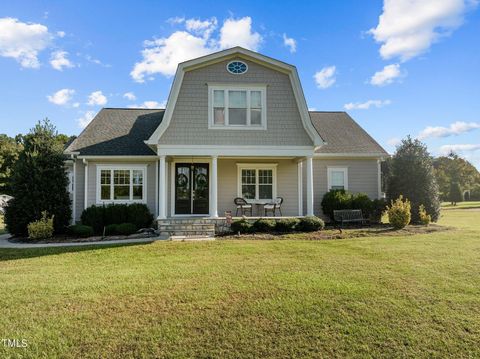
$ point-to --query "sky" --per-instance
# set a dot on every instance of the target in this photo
(398, 67)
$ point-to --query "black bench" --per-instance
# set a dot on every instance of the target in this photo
(343, 216)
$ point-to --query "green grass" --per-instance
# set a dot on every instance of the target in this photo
(461, 205)
(415, 296)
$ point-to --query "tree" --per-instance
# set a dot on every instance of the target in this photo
(39, 181)
(412, 175)
(455, 193)
(9, 151)
(453, 168)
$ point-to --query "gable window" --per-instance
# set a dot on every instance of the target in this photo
(233, 107)
(256, 182)
(121, 184)
(337, 178)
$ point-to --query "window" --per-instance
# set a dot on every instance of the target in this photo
(257, 181)
(237, 67)
(337, 178)
(234, 107)
(118, 184)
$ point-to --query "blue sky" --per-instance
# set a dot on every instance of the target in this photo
(399, 67)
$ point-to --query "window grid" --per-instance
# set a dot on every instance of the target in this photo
(120, 185)
(257, 184)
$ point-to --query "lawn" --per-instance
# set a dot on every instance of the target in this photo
(461, 205)
(413, 296)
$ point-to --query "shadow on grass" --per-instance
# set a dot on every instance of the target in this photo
(8, 254)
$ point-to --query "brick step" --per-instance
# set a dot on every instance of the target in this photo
(196, 226)
(185, 221)
(191, 232)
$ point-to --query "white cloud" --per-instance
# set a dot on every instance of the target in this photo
(150, 105)
(455, 129)
(325, 77)
(407, 28)
(59, 60)
(96, 61)
(199, 27)
(61, 97)
(23, 41)
(395, 141)
(462, 148)
(130, 96)
(163, 55)
(61, 34)
(290, 42)
(386, 76)
(97, 98)
(366, 105)
(85, 119)
(176, 20)
(239, 33)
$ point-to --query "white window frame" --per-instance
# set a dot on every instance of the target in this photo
(257, 167)
(331, 169)
(236, 87)
(130, 168)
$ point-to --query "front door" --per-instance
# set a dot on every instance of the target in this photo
(191, 188)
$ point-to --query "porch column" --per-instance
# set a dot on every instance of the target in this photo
(214, 190)
(162, 190)
(309, 186)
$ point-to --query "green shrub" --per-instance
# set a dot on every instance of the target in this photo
(80, 230)
(125, 228)
(455, 194)
(379, 206)
(363, 202)
(264, 225)
(399, 214)
(475, 192)
(286, 225)
(41, 229)
(241, 226)
(310, 224)
(102, 216)
(425, 218)
(336, 199)
(111, 230)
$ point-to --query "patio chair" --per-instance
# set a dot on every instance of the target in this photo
(242, 206)
(272, 207)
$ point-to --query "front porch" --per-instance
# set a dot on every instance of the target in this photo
(206, 187)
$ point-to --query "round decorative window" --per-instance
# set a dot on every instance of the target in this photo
(237, 67)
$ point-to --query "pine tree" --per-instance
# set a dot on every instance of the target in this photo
(455, 193)
(412, 176)
(39, 182)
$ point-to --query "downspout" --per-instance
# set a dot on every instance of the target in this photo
(85, 162)
(74, 201)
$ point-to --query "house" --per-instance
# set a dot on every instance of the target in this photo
(236, 124)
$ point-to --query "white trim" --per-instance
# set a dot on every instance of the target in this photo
(374, 155)
(256, 167)
(379, 179)
(162, 193)
(120, 166)
(121, 158)
(85, 198)
(310, 197)
(157, 202)
(240, 87)
(250, 151)
(343, 169)
(74, 201)
(213, 187)
(291, 70)
(300, 187)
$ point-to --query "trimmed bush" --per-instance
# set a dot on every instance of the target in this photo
(264, 225)
(286, 225)
(80, 230)
(102, 216)
(336, 199)
(425, 218)
(310, 224)
(399, 214)
(241, 226)
(41, 229)
(378, 208)
(111, 230)
(125, 228)
(363, 202)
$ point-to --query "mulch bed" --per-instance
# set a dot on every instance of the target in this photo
(67, 239)
(352, 232)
